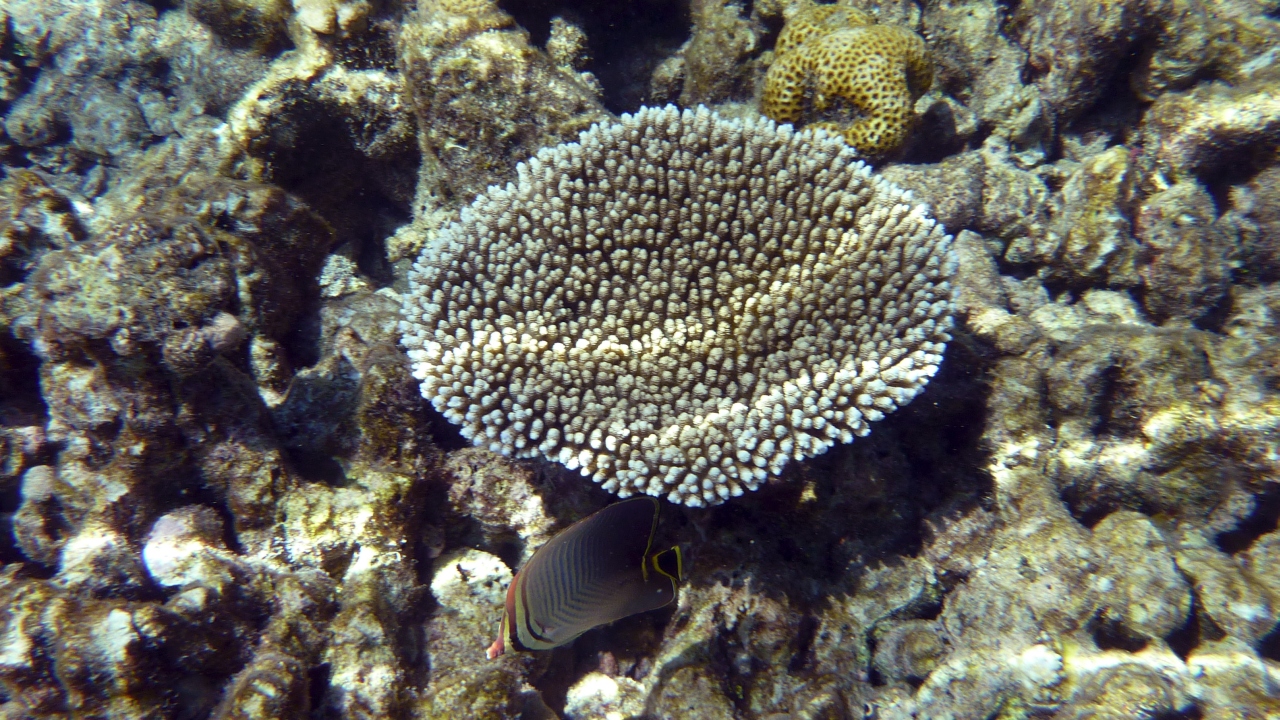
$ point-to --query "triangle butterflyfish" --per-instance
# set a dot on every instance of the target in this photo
(598, 570)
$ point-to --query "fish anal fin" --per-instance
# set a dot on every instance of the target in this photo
(497, 648)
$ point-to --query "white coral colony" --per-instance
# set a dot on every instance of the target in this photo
(679, 303)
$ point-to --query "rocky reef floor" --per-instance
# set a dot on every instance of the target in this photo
(223, 496)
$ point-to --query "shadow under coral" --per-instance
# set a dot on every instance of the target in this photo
(807, 538)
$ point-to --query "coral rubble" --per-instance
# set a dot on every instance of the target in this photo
(222, 494)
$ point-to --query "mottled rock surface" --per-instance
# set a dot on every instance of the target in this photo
(223, 496)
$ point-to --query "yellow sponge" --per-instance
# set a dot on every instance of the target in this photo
(840, 62)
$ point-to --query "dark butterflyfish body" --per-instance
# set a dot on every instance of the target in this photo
(600, 569)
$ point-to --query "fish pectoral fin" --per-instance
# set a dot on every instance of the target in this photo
(542, 630)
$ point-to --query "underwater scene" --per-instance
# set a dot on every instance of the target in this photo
(640, 359)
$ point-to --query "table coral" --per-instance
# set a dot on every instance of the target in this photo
(222, 496)
(679, 304)
(834, 61)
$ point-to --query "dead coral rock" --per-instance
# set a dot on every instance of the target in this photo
(74, 45)
(1234, 683)
(92, 408)
(101, 562)
(106, 665)
(39, 524)
(501, 496)
(274, 686)
(237, 452)
(1236, 602)
(1146, 594)
(187, 547)
(188, 350)
(1246, 32)
(1157, 420)
(358, 399)
(91, 295)
(110, 122)
(1251, 331)
(128, 448)
(759, 640)
(1033, 579)
(258, 24)
(1146, 440)
(332, 132)
(909, 651)
(667, 81)
(567, 44)
(1094, 222)
(108, 77)
(982, 67)
(692, 692)
(1186, 253)
(860, 78)
(957, 546)
(1255, 215)
(270, 656)
(470, 587)
(341, 18)
(1015, 209)
(1199, 131)
(21, 446)
(599, 695)
(951, 188)
(1107, 391)
(34, 219)
(980, 294)
(1099, 411)
(1074, 52)
(364, 651)
(183, 274)
(1259, 560)
(1124, 686)
(119, 658)
(718, 64)
(884, 603)
(359, 535)
(485, 98)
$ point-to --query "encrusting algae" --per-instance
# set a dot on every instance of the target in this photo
(835, 61)
(222, 495)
